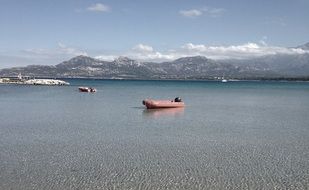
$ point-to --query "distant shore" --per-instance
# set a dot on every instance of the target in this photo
(302, 79)
(61, 80)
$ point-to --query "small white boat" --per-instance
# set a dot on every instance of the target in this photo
(224, 80)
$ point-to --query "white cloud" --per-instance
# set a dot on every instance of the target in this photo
(143, 48)
(263, 41)
(98, 7)
(209, 11)
(213, 12)
(61, 50)
(144, 52)
(192, 13)
(39, 56)
(238, 51)
(152, 56)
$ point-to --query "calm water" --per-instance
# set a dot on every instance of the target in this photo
(236, 135)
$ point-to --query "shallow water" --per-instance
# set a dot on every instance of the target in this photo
(235, 135)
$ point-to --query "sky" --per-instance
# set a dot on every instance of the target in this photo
(47, 32)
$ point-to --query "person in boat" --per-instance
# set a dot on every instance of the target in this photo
(177, 99)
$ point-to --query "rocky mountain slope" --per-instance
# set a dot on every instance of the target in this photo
(198, 67)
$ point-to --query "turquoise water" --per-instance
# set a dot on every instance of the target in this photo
(235, 135)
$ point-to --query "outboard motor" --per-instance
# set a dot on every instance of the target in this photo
(177, 99)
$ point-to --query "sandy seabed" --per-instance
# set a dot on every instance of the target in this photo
(189, 164)
(236, 136)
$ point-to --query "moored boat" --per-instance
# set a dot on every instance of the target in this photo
(86, 89)
(156, 104)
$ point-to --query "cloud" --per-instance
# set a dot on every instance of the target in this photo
(243, 51)
(144, 52)
(213, 12)
(209, 11)
(63, 49)
(153, 56)
(98, 7)
(143, 48)
(263, 41)
(192, 13)
(39, 56)
(60, 50)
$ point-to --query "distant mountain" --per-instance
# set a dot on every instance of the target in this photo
(198, 67)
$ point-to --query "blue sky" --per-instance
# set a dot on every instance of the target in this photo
(51, 31)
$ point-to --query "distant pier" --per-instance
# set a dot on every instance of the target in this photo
(25, 80)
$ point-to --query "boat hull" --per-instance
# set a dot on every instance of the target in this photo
(158, 104)
(86, 89)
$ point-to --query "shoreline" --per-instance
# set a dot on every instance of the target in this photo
(61, 80)
(184, 80)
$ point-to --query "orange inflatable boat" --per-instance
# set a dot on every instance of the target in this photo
(156, 104)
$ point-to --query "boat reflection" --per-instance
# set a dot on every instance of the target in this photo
(168, 112)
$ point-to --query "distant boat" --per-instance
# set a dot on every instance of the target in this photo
(87, 89)
(224, 80)
(156, 104)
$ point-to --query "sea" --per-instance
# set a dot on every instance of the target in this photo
(234, 135)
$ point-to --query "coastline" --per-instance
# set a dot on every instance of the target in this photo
(59, 81)
(191, 80)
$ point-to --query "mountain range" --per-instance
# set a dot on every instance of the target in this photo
(197, 67)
